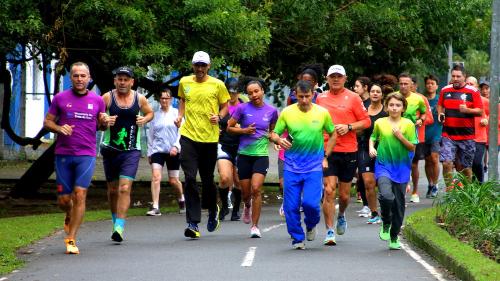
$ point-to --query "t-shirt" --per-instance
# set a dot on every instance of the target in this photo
(393, 159)
(457, 125)
(345, 107)
(163, 134)
(365, 135)
(433, 131)
(480, 130)
(82, 112)
(263, 116)
(428, 119)
(201, 101)
(416, 107)
(306, 128)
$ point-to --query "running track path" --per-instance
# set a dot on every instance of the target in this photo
(155, 249)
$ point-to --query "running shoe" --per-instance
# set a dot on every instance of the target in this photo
(394, 244)
(182, 206)
(415, 198)
(255, 232)
(341, 225)
(192, 231)
(330, 238)
(298, 245)
(247, 217)
(364, 212)
(117, 235)
(434, 192)
(213, 219)
(155, 212)
(374, 220)
(223, 213)
(311, 234)
(229, 200)
(359, 199)
(429, 190)
(235, 215)
(67, 219)
(385, 230)
(282, 211)
(71, 247)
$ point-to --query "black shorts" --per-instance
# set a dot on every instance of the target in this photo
(248, 165)
(342, 165)
(173, 162)
(419, 152)
(227, 153)
(366, 164)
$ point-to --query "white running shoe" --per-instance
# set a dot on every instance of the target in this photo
(364, 212)
(255, 232)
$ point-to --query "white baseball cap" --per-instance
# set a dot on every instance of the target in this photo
(202, 57)
(336, 69)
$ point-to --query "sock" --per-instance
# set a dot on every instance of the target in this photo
(341, 214)
(113, 217)
(182, 198)
(156, 206)
(374, 214)
(237, 199)
(223, 197)
(120, 222)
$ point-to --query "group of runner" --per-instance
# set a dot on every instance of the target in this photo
(326, 137)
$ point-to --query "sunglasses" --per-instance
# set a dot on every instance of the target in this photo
(200, 64)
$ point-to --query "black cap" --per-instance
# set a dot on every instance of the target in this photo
(485, 82)
(124, 70)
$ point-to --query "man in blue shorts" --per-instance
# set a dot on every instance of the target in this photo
(121, 148)
(75, 115)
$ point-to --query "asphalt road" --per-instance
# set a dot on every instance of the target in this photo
(155, 249)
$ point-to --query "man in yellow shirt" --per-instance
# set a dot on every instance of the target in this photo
(203, 100)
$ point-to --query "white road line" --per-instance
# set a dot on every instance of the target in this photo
(421, 261)
(248, 259)
(267, 229)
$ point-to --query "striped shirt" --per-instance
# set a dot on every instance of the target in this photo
(458, 125)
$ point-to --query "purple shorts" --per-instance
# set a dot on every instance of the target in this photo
(120, 164)
(463, 150)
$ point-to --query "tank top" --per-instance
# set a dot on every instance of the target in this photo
(124, 134)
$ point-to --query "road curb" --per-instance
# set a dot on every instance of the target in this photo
(461, 259)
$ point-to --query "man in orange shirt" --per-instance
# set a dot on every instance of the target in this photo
(349, 115)
(481, 132)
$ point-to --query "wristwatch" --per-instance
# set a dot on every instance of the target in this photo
(349, 127)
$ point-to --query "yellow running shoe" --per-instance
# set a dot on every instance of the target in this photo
(71, 247)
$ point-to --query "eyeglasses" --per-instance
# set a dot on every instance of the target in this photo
(165, 98)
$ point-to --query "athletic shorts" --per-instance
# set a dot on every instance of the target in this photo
(419, 152)
(73, 171)
(225, 153)
(248, 165)
(342, 165)
(366, 164)
(281, 168)
(158, 160)
(120, 164)
(464, 149)
(433, 147)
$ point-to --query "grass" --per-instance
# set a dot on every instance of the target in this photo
(19, 232)
(460, 258)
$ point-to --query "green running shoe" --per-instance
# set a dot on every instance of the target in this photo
(394, 244)
(117, 235)
(385, 230)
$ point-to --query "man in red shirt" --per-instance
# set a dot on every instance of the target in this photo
(349, 115)
(458, 104)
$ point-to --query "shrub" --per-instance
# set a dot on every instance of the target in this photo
(470, 211)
